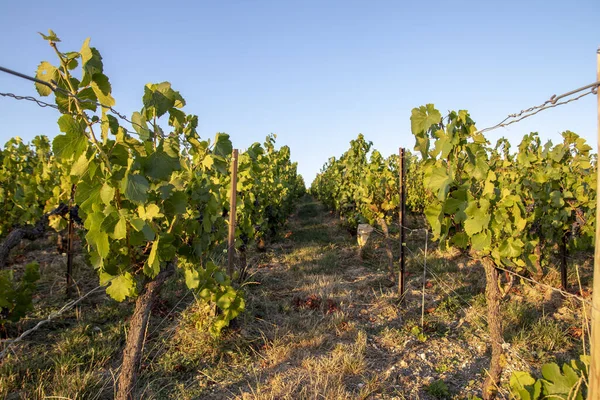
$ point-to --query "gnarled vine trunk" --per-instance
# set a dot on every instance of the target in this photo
(31, 232)
(493, 296)
(132, 354)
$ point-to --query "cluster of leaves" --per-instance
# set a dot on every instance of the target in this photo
(417, 196)
(268, 187)
(363, 186)
(490, 200)
(157, 196)
(29, 178)
(559, 186)
(570, 383)
(16, 294)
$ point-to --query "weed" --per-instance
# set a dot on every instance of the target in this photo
(438, 389)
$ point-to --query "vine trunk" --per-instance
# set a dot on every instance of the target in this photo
(132, 354)
(493, 296)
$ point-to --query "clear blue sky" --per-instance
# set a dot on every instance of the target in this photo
(317, 73)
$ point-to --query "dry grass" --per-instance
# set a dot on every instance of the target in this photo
(320, 323)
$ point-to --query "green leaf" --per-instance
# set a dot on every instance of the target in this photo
(73, 143)
(556, 199)
(480, 170)
(433, 213)
(69, 125)
(166, 249)
(46, 72)
(159, 98)
(224, 302)
(138, 224)
(511, 248)
(51, 37)
(119, 155)
(223, 146)
(443, 145)
(481, 241)
(192, 278)
(149, 212)
(107, 193)
(87, 195)
(109, 123)
(160, 166)
(120, 231)
(439, 182)
(99, 240)
(177, 203)
(452, 205)
(88, 100)
(176, 118)
(102, 89)
(91, 62)
(477, 219)
(525, 386)
(460, 240)
(148, 232)
(555, 383)
(422, 144)
(140, 125)
(80, 166)
(208, 161)
(152, 265)
(423, 117)
(136, 188)
(121, 286)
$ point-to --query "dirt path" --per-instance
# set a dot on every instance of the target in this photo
(331, 326)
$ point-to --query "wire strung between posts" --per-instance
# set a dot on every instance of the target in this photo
(52, 85)
(10, 342)
(550, 103)
(69, 305)
(552, 288)
(447, 289)
(533, 281)
(44, 104)
(39, 102)
(564, 293)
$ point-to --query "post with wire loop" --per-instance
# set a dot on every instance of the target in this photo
(232, 212)
(402, 187)
(594, 389)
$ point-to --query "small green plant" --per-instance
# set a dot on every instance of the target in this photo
(419, 334)
(443, 367)
(570, 383)
(438, 389)
(15, 296)
(449, 306)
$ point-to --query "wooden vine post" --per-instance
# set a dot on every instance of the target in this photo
(70, 239)
(594, 378)
(232, 211)
(402, 186)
